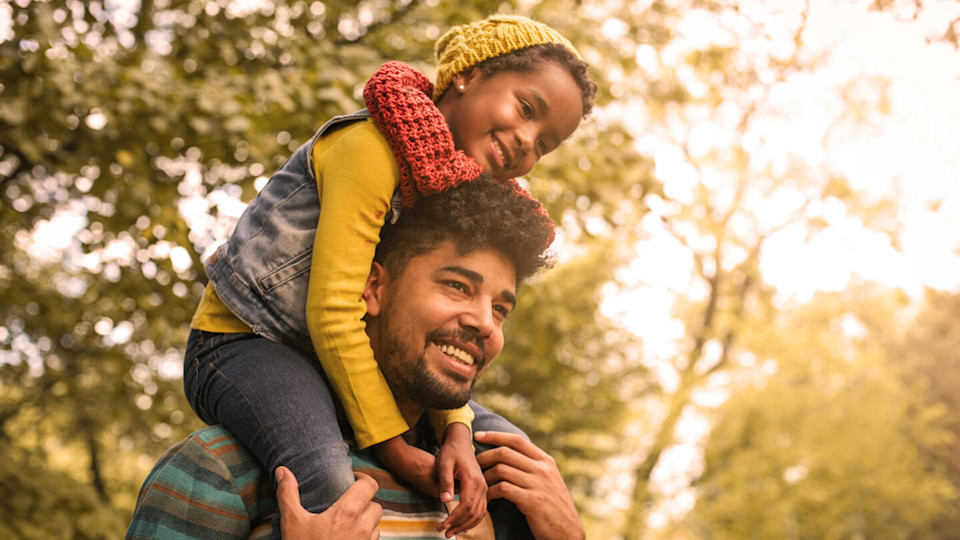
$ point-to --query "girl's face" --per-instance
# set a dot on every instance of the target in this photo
(511, 119)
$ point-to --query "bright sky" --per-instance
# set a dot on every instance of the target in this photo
(914, 147)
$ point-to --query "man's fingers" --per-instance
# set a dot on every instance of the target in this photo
(371, 515)
(504, 473)
(511, 440)
(362, 491)
(288, 492)
(504, 490)
(507, 456)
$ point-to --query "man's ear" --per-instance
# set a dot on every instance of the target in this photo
(374, 289)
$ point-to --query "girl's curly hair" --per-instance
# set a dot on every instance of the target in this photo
(480, 214)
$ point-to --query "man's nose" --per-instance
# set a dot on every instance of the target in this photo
(479, 317)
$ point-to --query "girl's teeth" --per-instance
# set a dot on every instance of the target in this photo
(496, 145)
(459, 354)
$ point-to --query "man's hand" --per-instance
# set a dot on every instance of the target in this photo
(415, 466)
(457, 460)
(354, 516)
(527, 476)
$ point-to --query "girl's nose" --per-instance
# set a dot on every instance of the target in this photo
(524, 138)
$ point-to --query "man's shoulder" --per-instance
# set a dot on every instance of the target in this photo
(208, 485)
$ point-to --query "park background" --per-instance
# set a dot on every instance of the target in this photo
(753, 330)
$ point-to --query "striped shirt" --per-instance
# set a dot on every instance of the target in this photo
(209, 487)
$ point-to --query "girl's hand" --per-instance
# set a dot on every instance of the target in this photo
(417, 467)
(456, 460)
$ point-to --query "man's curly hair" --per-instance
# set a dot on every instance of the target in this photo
(480, 214)
(530, 58)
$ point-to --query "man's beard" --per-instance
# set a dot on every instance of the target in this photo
(410, 378)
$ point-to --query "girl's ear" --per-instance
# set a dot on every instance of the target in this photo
(374, 289)
(461, 81)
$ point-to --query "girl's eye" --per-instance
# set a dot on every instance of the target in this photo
(542, 145)
(527, 110)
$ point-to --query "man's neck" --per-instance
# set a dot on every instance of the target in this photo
(411, 413)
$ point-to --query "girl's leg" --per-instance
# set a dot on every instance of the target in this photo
(274, 398)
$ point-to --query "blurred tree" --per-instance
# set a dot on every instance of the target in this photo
(930, 357)
(821, 437)
(911, 9)
(130, 132)
(40, 503)
(735, 184)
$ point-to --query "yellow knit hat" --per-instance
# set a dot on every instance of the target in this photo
(467, 45)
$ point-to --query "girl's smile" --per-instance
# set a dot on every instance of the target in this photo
(509, 120)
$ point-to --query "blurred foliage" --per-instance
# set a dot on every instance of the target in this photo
(824, 434)
(910, 9)
(39, 503)
(130, 132)
(930, 354)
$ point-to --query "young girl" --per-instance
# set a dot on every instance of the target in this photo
(285, 289)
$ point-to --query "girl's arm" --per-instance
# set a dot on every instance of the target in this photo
(356, 174)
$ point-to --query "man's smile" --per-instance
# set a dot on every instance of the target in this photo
(457, 353)
(464, 357)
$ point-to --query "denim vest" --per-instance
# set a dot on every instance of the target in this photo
(262, 272)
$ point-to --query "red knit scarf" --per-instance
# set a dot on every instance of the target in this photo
(398, 98)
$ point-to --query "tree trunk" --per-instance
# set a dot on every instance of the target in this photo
(96, 477)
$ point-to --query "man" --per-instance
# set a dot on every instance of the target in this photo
(441, 286)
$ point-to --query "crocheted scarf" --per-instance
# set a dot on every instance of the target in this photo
(398, 98)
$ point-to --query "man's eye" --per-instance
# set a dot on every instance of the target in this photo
(456, 285)
(502, 310)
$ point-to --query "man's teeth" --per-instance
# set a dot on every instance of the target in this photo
(459, 354)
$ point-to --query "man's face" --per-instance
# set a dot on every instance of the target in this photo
(438, 325)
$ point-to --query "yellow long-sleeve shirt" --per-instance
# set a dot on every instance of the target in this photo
(356, 178)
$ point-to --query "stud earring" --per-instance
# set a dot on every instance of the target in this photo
(460, 87)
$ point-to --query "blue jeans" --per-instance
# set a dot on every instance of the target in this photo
(275, 399)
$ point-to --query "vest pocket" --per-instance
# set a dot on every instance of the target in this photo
(287, 271)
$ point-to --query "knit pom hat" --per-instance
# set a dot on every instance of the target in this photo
(467, 45)
(398, 99)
